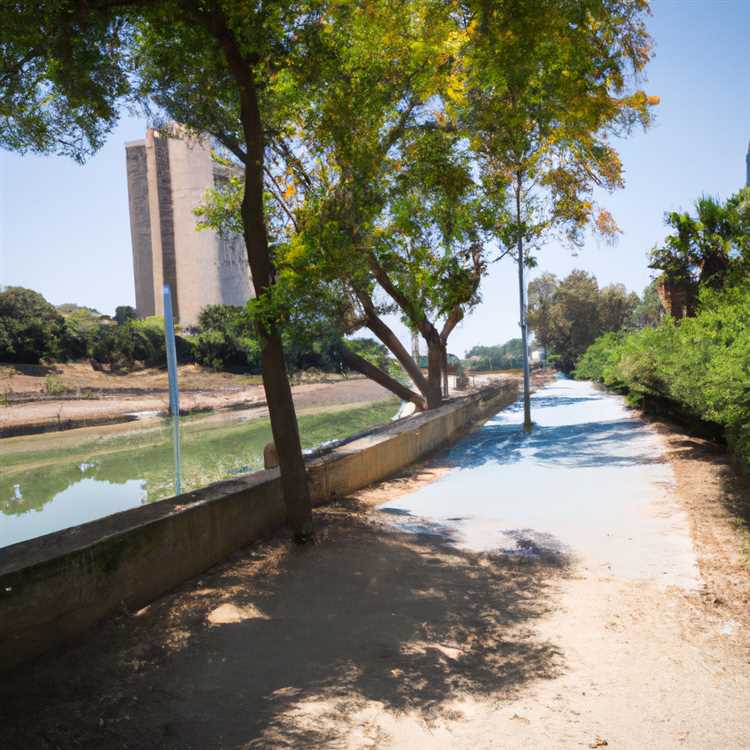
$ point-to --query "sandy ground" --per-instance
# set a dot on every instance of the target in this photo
(379, 638)
(200, 391)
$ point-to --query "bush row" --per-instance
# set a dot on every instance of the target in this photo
(701, 363)
(32, 330)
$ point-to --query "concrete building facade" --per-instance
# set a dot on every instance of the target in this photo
(167, 180)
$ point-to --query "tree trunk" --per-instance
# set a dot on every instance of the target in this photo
(275, 379)
(360, 364)
(434, 369)
(389, 339)
(445, 371)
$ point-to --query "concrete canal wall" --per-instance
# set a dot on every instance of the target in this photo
(55, 587)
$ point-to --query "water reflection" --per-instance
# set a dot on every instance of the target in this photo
(49, 482)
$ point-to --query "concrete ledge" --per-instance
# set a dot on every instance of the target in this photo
(56, 586)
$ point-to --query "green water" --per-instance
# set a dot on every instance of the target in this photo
(53, 481)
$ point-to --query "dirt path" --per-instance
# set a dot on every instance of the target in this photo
(379, 637)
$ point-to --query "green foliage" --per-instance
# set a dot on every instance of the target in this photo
(63, 71)
(708, 247)
(137, 343)
(227, 339)
(702, 363)
(374, 352)
(124, 314)
(547, 84)
(54, 386)
(568, 316)
(649, 310)
(31, 329)
(507, 356)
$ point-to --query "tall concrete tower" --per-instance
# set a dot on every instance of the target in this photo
(167, 178)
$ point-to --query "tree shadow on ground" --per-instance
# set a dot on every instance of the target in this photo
(548, 402)
(591, 444)
(282, 647)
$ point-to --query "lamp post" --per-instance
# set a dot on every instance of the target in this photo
(174, 394)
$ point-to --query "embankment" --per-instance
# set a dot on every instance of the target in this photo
(55, 587)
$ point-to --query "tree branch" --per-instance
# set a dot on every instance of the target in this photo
(455, 317)
(360, 364)
(418, 319)
(392, 342)
(232, 144)
(278, 198)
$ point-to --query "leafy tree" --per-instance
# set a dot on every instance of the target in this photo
(134, 344)
(31, 328)
(703, 249)
(541, 296)
(616, 307)
(573, 312)
(219, 68)
(74, 340)
(374, 196)
(576, 314)
(81, 324)
(124, 314)
(226, 339)
(504, 357)
(648, 311)
(547, 84)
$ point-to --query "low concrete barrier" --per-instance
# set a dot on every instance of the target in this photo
(55, 587)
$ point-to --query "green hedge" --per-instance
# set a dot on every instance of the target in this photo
(701, 363)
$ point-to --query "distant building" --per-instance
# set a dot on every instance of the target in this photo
(537, 354)
(167, 179)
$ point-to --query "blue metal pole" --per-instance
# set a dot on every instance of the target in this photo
(174, 402)
(174, 395)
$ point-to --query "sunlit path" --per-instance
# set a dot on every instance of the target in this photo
(591, 481)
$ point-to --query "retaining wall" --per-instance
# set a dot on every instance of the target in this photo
(55, 587)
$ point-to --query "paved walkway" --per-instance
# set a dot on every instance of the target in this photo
(591, 481)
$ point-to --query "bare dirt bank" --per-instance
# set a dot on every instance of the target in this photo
(118, 400)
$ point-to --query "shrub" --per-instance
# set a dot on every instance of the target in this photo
(227, 339)
(54, 386)
(30, 327)
(701, 363)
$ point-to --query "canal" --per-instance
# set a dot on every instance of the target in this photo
(56, 480)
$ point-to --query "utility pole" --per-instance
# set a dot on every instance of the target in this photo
(523, 322)
(174, 397)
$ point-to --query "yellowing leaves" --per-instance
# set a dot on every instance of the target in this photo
(456, 90)
(605, 225)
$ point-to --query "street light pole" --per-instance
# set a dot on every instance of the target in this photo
(523, 322)
(174, 397)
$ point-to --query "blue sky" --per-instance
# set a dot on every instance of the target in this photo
(64, 228)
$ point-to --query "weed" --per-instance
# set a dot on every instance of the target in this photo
(54, 386)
